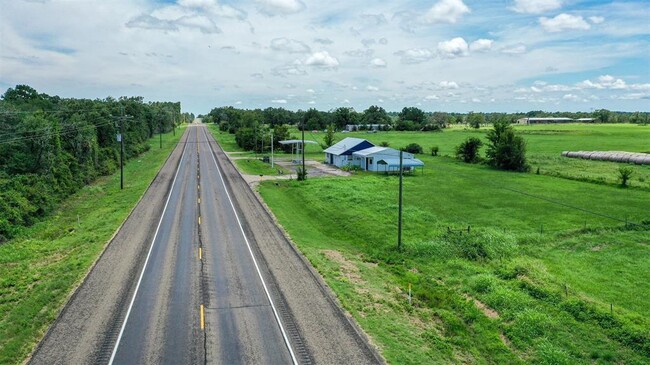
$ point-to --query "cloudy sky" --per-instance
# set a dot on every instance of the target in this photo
(447, 55)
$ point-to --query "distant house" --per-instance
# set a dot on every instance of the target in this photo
(384, 159)
(550, 120)
(362, 153)
(340, 154)
(368, 127)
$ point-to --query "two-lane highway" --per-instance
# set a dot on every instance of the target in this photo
(201, 296)
(200, 273)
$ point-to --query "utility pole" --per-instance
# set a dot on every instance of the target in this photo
(399, 219)
(304, 172)
(271, 149)
(120, 138)
(160, 131)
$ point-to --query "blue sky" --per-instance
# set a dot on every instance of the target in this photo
(440, 55)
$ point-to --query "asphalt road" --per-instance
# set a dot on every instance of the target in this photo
(201, 273)
(201, 295)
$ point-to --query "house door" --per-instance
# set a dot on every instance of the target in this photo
(368, 163)
(331, 159)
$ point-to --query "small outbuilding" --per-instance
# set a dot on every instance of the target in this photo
(385, 159)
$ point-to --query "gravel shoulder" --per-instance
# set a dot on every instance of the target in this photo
(88, 324)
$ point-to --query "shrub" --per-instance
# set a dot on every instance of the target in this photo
(384, 144)
(483, 283)
(468, 150)
(435, 150)
(506, 150)
(302, 174)
(624, 174)
(413, 148)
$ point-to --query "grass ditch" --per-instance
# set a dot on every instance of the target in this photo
(40, 267)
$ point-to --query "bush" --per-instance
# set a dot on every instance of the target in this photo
(302, 174)
(413, 148)
(468, 150)
(506, 150)
(384, 144)
(435, 150)
(624, 174)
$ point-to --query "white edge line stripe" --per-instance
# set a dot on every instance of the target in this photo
(153, 241)
(259, 273)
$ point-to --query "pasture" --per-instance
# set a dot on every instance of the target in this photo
(553, 270)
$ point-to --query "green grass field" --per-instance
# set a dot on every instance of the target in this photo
(549, 274)
(40, 268)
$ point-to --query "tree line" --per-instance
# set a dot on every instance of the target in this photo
(253, 126)
(50, 147)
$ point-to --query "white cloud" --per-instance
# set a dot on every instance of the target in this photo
(448, 85)
(605, 82)
(280, 7)
(279, 101)
(310, 91)
(570, 97)
(289, 45)
(372, 88)
(535, 89)
(596, 19)
(563, 22)
(481, 45)
(431, 97)
(453, 48)
(322, 59)
(536, 6)
(445, 11)
(378, 62)
(415, 55)
(514, 49)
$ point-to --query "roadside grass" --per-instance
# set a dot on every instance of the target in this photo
(41, 267)
(255, 166)
(485, 297)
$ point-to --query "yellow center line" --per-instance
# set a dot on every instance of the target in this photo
(202, 318)
(199, 200)
(199, 220)
(200, 253)
(198, 187)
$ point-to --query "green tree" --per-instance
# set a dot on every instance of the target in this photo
(475, 120)
(506, 150)
(468, 150)
(375, 115)
(329, 138)
(413, 114)
(624, 174)
(344, 116)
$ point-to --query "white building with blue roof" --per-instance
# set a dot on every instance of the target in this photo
(362, 153)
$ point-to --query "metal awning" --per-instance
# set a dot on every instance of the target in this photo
(394, 162)
(297, 141)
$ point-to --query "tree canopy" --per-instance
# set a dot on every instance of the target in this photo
(50, 147)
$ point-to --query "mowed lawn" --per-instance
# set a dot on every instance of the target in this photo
(550, 272)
